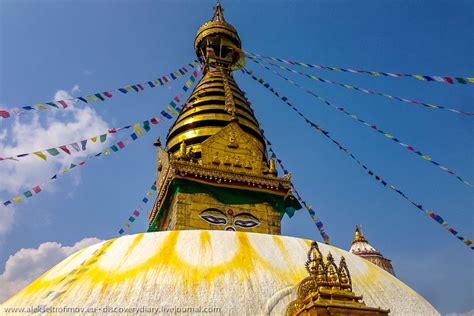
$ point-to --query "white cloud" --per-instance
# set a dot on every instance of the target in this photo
(7, 217)
(39, 131)
(26, 265)
(75, 88)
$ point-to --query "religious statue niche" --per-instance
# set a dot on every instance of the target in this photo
(228, 219)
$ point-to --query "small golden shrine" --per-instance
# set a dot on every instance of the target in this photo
(328, 290)
(361, 247)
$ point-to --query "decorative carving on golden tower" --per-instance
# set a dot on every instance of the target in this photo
(215, 156)
(361, 247)
(328, 290)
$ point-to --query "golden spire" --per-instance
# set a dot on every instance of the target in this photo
(358, 236)
(218, 12)
(216, 100)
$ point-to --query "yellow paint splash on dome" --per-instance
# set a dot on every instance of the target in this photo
(243, 266)
(132, 247)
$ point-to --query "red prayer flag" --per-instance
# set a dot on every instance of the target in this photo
(107, 94)
(65, 149)
(140, 86)
(449, 79)
(136, 213)
(4, 114)
(37, 189)
(63, 103)
(176, 99)
(121, 145)
(154, 120)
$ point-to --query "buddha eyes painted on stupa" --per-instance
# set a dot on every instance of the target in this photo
(217, 217)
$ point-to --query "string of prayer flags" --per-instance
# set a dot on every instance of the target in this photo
(136, 212)
(371, 173)
(391, 97)
(371, 126)
(101, 96)
(312, 213)
(114, 148)
(137, 127)
(444, 79)
(55, 151)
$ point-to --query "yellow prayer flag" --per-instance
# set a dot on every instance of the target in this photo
(42, 106)
(149, 193)
(419, 77)
(127, 225)
(106, 152)
(348, 86)
(137, 129)
(40, 154)
(17, 199)
(170, 110)
(432, 106)
(375, 73)
(91, 97)
(189, 83)
(94, 139)
(388, 135)
(470, 79)
(426, 157)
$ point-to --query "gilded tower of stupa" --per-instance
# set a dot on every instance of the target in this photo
(213, 244)
(214, 172)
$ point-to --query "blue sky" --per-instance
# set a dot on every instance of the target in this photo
(79, 47)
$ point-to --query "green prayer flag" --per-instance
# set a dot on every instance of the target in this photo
(146, 125)
(192, 78)
(114, 148)
(53, 151)
(174, 105)
(131, 219)
(99, 96)
(103, 137)
(461, 80)
(28, 194)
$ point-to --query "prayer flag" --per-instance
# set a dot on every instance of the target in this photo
(114, 148)
(138, 129)
(127, 225)
(40, 154)
(154, 120)
(134, 136)
(53, 104)
(94, 139)
(145, 200)
(99, 96)
(28, 194)
(121, 145)
(82, 99)
(136, 213)
(107, 94)
(63, 103)
(103, 137)
(17, 199)
(131, 219)
(37, 189)
(83, 144)
(461, 80)
(41, 106)
(121, 231)
(140, 86)
(151, 84)
(169, 109)
(123, 90)
(91, 97)
(65, 149)
(146, 126)
(4, 114)
(169, 117)
(76, 147)
(53, 151)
